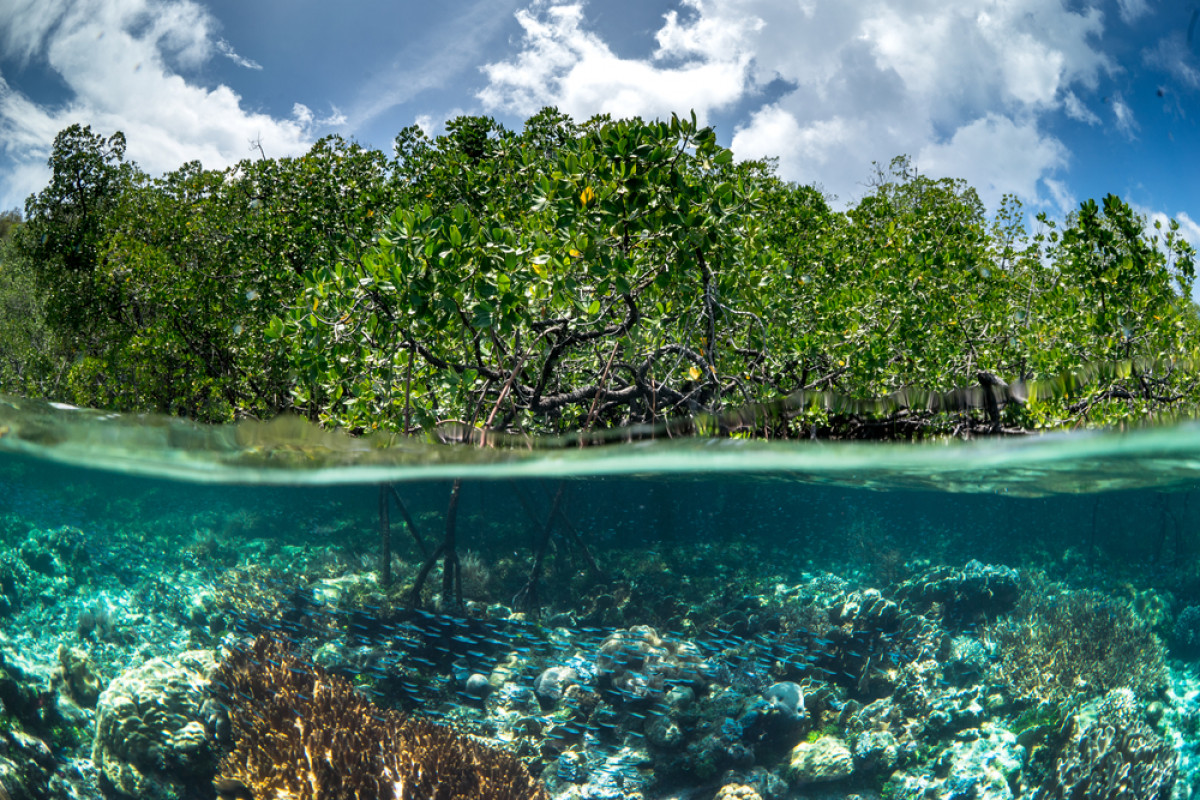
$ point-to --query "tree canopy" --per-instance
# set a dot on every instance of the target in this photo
(583, 276)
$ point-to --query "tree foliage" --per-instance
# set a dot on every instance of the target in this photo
(584, 275)
(161, 287)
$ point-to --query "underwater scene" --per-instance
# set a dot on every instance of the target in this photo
(261, 613)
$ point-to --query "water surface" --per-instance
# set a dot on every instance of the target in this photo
(128, 538)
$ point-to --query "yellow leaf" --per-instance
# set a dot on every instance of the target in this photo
(574, 253)
(587, 195)
(693, 373)
(314, 304)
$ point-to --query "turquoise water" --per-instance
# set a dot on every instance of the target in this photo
(827, 619)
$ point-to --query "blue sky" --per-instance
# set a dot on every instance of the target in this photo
(1053, 101)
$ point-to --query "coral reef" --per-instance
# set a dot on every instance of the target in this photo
(1063, 643)
(26, 762)
(638, 664)
(1185, 636)
(303, 733)
(155, 726)
(58, 552)
(710, 668)
(76, 677)
(1110, 752)
(961, 597)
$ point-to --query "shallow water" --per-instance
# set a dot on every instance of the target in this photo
(128, 539)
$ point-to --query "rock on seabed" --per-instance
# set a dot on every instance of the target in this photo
(826, 759)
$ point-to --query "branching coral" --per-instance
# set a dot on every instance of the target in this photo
(1111, 754)
(301, 733)
(1069, 642)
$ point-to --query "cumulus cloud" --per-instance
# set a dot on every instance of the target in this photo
(125, 64)
(959, 85)
(563, 64)
(1004, 156)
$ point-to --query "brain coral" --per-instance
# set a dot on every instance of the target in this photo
(152, 727)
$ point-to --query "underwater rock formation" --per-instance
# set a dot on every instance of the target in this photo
(76, 677)
(300, 732)
(826, 759)
(154, 727)
(963, 596)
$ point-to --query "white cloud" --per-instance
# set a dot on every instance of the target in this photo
(774, 132)
(1001, 156)
(564, 65)
(871, 79)
(426, 124)
(124, 62)
(1189, 228)
(1172, 53)
(1123, 115)
(1063, 199)
(24, 25)
(226, 49)
(1131, 10)
(1077, 110)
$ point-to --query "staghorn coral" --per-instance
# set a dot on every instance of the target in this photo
(302, 733)
(1076, 642)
